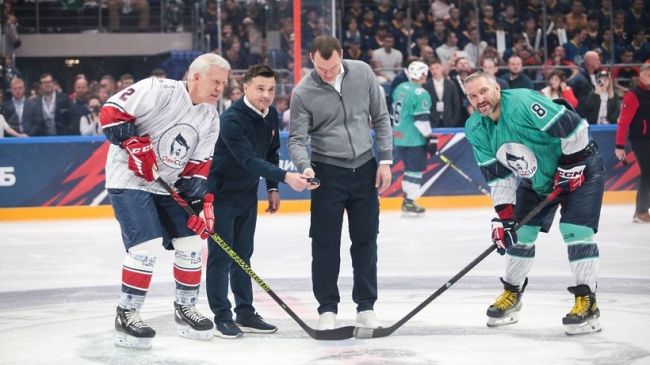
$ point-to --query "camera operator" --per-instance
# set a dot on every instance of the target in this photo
(89, 123)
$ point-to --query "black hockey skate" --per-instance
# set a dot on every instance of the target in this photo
(583, 317)
(131, 331)
(191, 323)
(507, 306)
(409, 208)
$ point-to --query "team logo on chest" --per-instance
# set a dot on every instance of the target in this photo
(177, 144)
(518, 158)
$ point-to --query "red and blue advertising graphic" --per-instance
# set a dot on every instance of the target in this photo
(69, 171)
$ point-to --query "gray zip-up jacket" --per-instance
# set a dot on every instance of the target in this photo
(337, 126)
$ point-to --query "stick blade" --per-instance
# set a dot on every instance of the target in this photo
(341, 333)
(365, 333)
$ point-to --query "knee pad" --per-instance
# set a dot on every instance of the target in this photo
(143, 255)
(575, 234)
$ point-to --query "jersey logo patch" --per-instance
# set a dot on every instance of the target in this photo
(518, 158)
(177, 145)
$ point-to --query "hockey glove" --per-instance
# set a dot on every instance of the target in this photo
(503, 234)
(569, 177)
(204, 225)
(432, 145)
(142, 159)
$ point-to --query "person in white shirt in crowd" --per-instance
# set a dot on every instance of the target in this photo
(386, 60)
(445, 51)
(89, 124)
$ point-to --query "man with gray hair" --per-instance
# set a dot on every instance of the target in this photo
(167, 128)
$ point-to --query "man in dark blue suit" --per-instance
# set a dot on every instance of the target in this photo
(56, 109)
(247, 149)
(21, 113)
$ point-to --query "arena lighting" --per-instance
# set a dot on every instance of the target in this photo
(69, 62)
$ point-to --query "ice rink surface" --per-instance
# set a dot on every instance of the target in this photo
(60, 286)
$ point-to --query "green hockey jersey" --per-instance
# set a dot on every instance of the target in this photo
(526, 139)
(411, 103)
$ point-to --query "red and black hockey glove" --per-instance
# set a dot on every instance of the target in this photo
(569, 177)
(503, 233)
(432, 145)
(204, 225)
(142, 159)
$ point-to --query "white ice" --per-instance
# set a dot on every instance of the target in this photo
(60, 284)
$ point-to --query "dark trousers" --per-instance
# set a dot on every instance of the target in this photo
(641, 148)
(353, 191)
(235, 224)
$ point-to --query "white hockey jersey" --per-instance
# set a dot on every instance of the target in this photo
(183, 135)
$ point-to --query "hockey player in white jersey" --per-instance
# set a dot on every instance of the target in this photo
(171, 127)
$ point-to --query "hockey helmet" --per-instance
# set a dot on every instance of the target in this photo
(416, 70)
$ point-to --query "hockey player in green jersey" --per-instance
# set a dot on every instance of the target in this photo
(412, 132)
(520, 133)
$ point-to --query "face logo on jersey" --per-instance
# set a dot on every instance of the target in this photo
(517, 158)
(177, 144)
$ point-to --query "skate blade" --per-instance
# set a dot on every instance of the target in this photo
(508, 319)
(587, 327)
(412, 215)
(124, 340)
(192, 334)
(257, 330)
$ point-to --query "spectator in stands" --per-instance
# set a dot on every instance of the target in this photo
(89, 123)
(439, 35)
(126, 80)
(625, 76)
(636, 15)
(108, 84)
(370, 29)
(6, 128)
(386, 60)
(353, 51)
(401, 30)
(445, 51)
(583, 83)
(282, 106)
(253, 38)
(488, 25)
(441, 9)
(234, 94)
(633, 120)
(384, 12)
(558, 89)
(232, 12)
(236, 57)
(594, 34)
(351, 31)
(516, 78)
(79, 103)
(604, 12)
(474, 49)
(445, 105)
(518, 43)
(510, 21)
(603, 105)
(126, 6)
(608, 53)
(576, 19)
(530, 58)
(621, 33)
(454, 23)
(22, 114)
(55, 107)
(460, 70)
(355, 11)
(159, 73)
(557, 36)
(421, 41)
(558, 61)
(489, 65)
(640, 45)
(576, 47)
(173, 15)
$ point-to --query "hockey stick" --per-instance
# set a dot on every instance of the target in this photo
(462, 173)
(340, 333)
(360, 332)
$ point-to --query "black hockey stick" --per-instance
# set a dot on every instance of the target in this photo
(340, 333)
(462, 173)
(360, 332)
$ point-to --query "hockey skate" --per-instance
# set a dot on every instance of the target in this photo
(410, 209)
(583, 317)
(507, 306)
(192, 324)
(131, 331)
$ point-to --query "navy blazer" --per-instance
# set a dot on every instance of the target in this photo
(33, 124)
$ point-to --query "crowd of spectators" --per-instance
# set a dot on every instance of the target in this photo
(454, 37)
